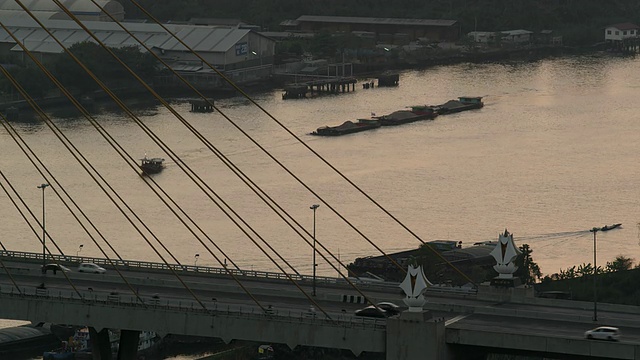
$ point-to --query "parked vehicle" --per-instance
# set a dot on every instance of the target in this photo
(91, 268)
(54, 268)
(372, 311)
(603, 333)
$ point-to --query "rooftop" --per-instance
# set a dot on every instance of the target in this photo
(377, 21)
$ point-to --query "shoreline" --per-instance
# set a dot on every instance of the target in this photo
(137, 94)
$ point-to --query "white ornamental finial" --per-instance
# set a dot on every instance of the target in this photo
(505, 253)
(413, 286)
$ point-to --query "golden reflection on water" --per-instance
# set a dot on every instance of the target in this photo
(552, 154)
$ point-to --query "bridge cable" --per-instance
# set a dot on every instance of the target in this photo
(45, 232)
(7, 125)
(217, 258)
(35, 232)
(52, 126)
(162, 100)
(265, 151)
(156, 184)
(253, 186)
(219, 73)
(177, 115)
(286, 274)
(2, 117)
(6, 269)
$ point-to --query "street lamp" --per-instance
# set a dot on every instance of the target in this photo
(79, 249)
(195, 261)
(44, 231)
(314, 207)
(595, 273)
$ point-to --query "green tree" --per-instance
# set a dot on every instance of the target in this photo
(528, 271)
(34, 82)
(621, 263)
(106, 68)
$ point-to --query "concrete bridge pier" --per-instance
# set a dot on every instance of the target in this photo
(100, 344)
(128, 349)
(415, 336)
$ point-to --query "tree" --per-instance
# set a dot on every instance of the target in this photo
(528, 271)
(34, 82)
(95, 58)
(621, 263)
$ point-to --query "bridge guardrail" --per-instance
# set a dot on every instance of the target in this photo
(147, 266)
(214, 308)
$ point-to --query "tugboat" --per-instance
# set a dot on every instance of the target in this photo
(151, 165)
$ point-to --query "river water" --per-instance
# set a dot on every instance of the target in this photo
(552, 154)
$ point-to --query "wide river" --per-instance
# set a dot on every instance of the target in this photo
(552, 154)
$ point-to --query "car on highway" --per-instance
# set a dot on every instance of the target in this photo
(603, 333)
(54, 268)
(372, 311)
(389, 307)
(91, 268)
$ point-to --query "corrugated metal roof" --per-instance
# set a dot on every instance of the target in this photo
(290, 23)
(376, 21)
(199, 38)
(205, 39)
(8, 335)
(517, 32)
(624, 26)
(48, 5)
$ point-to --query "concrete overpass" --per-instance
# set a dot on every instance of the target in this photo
(462, 322)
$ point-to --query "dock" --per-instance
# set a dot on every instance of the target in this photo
(388, 79)
(201, 105)
(333, 85)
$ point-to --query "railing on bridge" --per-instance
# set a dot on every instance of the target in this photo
(147, 266)
(213, 307)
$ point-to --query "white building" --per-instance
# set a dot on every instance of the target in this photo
(483, 36)
(619, 32)
(517, 36)
(224, 47)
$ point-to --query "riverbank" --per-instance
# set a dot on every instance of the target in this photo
(136, 94)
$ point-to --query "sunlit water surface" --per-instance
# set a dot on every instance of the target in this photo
(552, 154)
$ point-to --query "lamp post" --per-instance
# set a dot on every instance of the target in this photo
(595, 273)
(44, 231)
(79, 249)
(314, 207)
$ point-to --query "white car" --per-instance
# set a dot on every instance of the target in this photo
(91, 268)
(603, 333)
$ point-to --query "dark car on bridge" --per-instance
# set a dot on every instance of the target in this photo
(389, 307)
(372, 311)
(54, 268)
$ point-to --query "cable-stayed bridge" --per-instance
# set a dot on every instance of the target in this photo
(460, 323)
(231, 303)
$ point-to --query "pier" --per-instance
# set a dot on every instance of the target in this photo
(201, 105)
(388, 79)
(333, 85)
(626, 46)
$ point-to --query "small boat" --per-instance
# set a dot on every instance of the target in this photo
(610, 227)
(348, 127)
(462, 104)
(151, 165)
